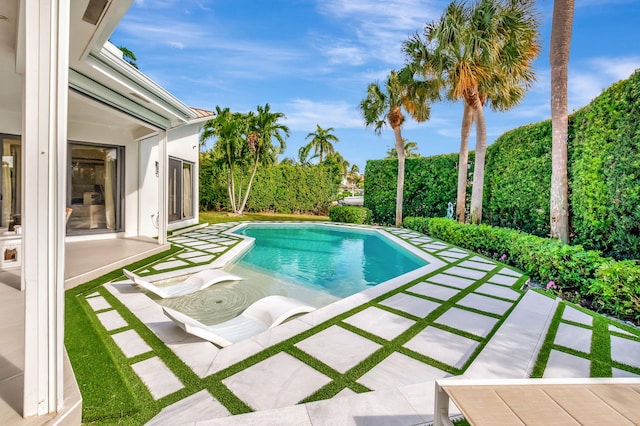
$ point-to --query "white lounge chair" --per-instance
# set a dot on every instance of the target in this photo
(198, 281)
(266, 313)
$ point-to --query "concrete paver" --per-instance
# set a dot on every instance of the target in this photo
(573, 337)
(574, 315)
(98, 303)
(157, 377)
(399, 370)
(429, 343)
(616, 372)
(413, 305)
(433, 290)
(498, 291)
(503, 279)
(111, 320)
(617, 329)
(194, 408)
(485, 303)
(564, 365)
(626, 351)
(471, 322)
(130, 343)
(451, 280)
(466, 273)
(380, 322)
(278, 381)
(483, 266)
(340, 349)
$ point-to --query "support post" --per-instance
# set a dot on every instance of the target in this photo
(163, 190)
(45, 92)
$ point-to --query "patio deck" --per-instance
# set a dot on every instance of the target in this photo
(85, 260)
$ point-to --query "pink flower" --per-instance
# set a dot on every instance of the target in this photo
(503, 257)
(551, 285)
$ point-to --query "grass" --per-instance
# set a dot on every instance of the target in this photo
(223, 217)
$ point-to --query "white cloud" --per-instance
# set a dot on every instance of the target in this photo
(305, 114)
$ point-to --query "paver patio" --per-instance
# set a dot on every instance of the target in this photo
(400, 381)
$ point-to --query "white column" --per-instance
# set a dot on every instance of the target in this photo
(44, 164)
(163, 190)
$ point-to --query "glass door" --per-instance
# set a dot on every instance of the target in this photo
(95, 190)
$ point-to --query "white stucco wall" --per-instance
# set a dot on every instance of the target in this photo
(182, 143)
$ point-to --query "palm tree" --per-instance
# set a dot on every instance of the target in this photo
(303, 155)
(384, 107)
(559, 60)
(128, 56)
(478, 54)
(262, 129)
(321, 141)
(409, 150)
(228, 128)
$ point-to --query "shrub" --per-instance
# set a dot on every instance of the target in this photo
(350, 214)
(616, 289)
(613, 286)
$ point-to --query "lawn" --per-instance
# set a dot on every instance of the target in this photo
(223, 217)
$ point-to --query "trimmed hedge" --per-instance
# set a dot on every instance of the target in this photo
(279, 189)
(603, 167)
(350, 214)
(613, 286)
(430, 184)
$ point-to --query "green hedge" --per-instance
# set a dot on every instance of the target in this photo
(430, 184)
(604, 177)
(280, 189)
(613, 286)
(350, 214)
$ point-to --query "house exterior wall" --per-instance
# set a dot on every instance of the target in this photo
(182, 143)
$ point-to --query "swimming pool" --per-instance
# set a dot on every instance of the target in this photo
(317, 264)
(339, 261)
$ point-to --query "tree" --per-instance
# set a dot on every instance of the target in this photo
(321, 141)
(227, 128)
(383, 106)
(479, 53)
(263, 128)
(559, 61)
(243, 141)
(409, 150)
(128, 56)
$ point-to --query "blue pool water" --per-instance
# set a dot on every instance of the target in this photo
(339, 261)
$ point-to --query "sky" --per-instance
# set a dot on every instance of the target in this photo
(313, 60)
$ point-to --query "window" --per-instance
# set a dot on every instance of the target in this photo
(95, 192)
(11, 182)
(180, 190)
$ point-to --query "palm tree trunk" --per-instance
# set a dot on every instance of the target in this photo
(461, 200)
(400, 188)
(246, 194)
(232, 189)
(478, 170)
(559, 59)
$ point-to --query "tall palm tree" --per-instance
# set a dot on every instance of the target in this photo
(478, 53)
(227, 127)
(321, 141)
(263, 128)
(410, 149)
(559, 60)
(383, 106)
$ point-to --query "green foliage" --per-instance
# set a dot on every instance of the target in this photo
(430, 184)
(213, 185)
(518, 180)
(294, 189)
(350, 214)
(614, 286)
(616, 289)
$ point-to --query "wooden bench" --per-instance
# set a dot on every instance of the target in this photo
(540, 401)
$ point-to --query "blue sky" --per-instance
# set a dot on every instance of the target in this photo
(313, 59)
